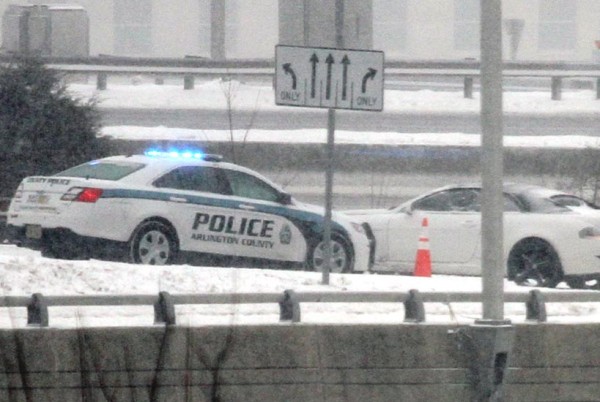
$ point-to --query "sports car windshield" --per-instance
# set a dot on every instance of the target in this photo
(102, 170)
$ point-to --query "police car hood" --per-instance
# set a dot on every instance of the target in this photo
(337, 216)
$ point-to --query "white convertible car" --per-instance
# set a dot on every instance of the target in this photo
(154, 208)
(545, 242)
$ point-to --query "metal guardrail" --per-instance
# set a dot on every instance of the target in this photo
(290, 302)
(191, 67)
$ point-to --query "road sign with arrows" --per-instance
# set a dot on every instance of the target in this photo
(329, 78)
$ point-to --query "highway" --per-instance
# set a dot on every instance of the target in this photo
(514, 124)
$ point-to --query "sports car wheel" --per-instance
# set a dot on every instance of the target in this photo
(581, 283)
(153, 243)
(533, 262)
(340, 256)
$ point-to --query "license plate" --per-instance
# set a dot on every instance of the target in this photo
(33, 231)
(38, 199)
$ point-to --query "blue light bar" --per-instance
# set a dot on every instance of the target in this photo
(182, 154)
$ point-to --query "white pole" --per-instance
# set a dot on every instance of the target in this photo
(492, 205)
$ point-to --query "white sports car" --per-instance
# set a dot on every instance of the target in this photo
(153, 208)
(544, 242)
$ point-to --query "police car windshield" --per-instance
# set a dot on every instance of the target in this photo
(102, 170)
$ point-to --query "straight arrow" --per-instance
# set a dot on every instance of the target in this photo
(329, 60)
(314, 60)
(345, 62)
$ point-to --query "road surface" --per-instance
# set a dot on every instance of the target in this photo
(351, 120)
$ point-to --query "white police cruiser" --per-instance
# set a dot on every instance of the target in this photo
(158, 207)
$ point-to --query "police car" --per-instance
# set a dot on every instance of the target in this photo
(157, 207)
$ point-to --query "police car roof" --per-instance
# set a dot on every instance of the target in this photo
(157, 164)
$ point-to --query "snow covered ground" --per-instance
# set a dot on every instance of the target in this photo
(23, 272)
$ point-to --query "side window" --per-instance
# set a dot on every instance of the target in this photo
(511, 204)
(194, 178)
(435, 202)
(568, 201)
(245, 185)
(467, 200)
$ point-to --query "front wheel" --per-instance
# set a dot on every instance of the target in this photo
(341, 259)
(533, 262)
(153, 243)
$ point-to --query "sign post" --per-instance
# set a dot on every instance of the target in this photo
(329, 78)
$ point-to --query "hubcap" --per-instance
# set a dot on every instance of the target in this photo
(339, 258)
(537, 269)
(154, 248)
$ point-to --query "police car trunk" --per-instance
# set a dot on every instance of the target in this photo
(68, 203)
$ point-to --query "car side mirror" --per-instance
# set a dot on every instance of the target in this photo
(284, 199)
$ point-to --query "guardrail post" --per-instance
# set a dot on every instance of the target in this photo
(164, 309)
(597, 88)
(188, 81)
(556, 88)
(468, 88)
(536, 306)
(101, 81)
(289, 307)
(37, 311)
(414, 309)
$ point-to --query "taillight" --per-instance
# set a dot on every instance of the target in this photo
(82, 194)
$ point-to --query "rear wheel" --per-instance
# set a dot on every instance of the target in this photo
(153, 243)
(533, 262)
(60, 246)
(341, 259)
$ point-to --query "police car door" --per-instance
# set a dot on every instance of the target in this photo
(262, 220)
(196, 201)
(209, 219)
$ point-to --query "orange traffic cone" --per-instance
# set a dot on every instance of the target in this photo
(423, 261)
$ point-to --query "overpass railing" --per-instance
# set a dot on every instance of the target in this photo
(191, 67)
(290, 302)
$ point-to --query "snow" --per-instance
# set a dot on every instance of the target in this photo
(24, 272)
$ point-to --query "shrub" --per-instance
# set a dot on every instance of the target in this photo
(43, 129)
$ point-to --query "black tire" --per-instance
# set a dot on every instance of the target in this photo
(59, 247)
(533, 262)
(53, 250)
(576, 283)
(341, 256)
(153, 243)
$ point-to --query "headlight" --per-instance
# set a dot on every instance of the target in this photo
(589, 232)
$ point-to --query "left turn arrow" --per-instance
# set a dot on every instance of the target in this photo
(289, 70)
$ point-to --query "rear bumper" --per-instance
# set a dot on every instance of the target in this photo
(64, 243)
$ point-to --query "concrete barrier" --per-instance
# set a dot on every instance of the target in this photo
(407, 362)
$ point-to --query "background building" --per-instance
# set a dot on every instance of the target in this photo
(405, 29)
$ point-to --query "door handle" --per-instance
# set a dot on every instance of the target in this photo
(247, 207)
(178, 199)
